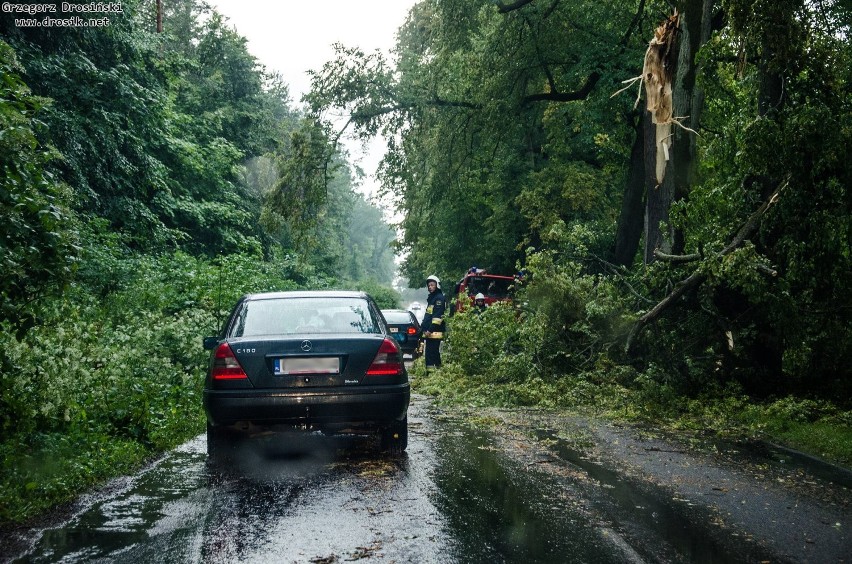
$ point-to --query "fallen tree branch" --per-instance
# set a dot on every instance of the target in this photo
(698, 277)
(766, 270)
(619, 272)
(694, 280)
(676, 258)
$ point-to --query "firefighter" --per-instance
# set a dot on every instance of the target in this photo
(479, 303)
(433, 322)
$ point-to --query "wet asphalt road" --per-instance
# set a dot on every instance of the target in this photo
(321, 501)
(462, 493)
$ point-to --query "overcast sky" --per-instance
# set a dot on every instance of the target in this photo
(292, 37)
(295, 36)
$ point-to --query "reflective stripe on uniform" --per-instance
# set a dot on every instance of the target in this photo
(429, 310)
(435, 335)
(437, 321)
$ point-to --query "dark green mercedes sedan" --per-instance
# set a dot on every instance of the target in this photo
(310, 360)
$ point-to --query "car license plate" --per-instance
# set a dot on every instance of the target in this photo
(307, 365)
(394, 329)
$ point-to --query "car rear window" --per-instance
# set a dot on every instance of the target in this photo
(397, 317)
(293, 316)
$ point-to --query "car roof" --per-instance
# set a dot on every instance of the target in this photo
(306, 294)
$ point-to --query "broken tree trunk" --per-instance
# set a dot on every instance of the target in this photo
(657, 74)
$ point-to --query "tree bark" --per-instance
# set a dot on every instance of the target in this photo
(696, 27)
(629, 228)
(657, 196)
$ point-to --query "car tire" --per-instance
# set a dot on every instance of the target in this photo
(219, 442)
(394, 437)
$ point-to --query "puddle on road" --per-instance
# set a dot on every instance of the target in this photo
(640, 510)
(500, 512)
(299, 504)
(106, 522)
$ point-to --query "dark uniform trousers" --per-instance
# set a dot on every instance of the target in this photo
(434, 321)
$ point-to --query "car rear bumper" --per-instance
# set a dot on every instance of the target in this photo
(320, 406)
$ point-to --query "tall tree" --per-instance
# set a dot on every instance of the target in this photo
(486, 154)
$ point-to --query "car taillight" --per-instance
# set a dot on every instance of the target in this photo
(226, 366)
(387, 361)
(412, 331)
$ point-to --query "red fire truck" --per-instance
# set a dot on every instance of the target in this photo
(495, 288)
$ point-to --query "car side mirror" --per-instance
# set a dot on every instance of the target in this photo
(210, 343)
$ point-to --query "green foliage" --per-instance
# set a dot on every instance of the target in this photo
(564, 322)
(41, 471)
(98, 380)
(367, 241)
(128, 157)
(768, 317)
(488, 154)
(585, 316)
(784, 296)
(817, 427)
(37, 234)
(105, 117)
(300, 192)
(152, 139)
(484, 346)
(386, 298)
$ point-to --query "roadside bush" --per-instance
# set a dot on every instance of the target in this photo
(581, 317)
(800, 410)
(480, 344)
(553, 346)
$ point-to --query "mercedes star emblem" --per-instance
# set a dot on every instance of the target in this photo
(306, 345)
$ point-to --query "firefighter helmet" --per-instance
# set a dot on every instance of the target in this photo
(434, 279)
(479, 296)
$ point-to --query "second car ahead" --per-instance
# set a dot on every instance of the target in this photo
(405, 328)
(320, 360)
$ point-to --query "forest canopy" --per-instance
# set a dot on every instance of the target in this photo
(709, 245)
(172, 141)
